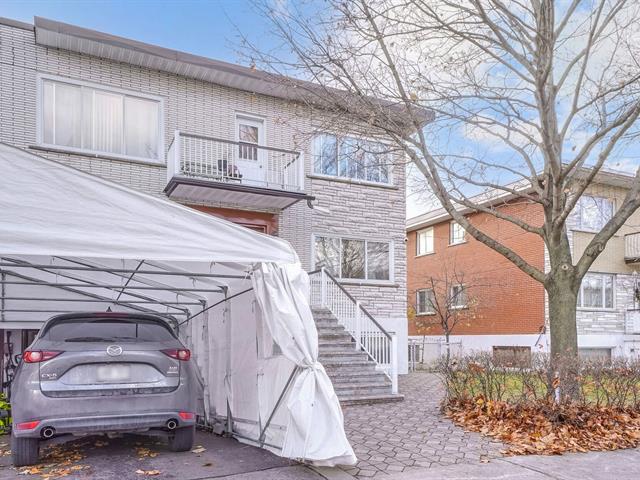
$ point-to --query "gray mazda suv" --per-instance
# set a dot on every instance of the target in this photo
(103, 373)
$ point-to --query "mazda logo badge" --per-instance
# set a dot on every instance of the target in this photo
(114, 350)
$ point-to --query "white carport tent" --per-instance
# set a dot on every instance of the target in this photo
(70, 241)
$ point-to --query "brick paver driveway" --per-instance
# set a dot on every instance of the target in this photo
(396, 437)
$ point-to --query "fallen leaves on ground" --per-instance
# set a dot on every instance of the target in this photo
(151, 473)
(546, 428)
(4, 449)
(145, 453)
(58, 462)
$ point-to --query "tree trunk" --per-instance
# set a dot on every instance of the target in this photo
(562, 376)
(562, 318)
(446, 339)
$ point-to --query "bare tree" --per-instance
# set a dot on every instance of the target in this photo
(526, 98)
(449, 298)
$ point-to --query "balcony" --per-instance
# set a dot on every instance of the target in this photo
(207, 169)
(632, 248)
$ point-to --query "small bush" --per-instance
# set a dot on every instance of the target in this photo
(573, 406)
(597, 383)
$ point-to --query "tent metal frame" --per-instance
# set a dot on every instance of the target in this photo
(120, 270)
(128, 293)
(134, 281)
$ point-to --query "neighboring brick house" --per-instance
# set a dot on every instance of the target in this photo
(509, 309)
(215, 136)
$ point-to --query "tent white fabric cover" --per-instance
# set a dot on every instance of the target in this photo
(55, 215)
(80, 215)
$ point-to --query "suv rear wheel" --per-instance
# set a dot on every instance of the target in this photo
(24, 451)
(182, 439)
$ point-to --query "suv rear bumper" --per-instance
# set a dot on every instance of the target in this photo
(105, 423)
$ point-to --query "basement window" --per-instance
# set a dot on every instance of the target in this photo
(512, 356)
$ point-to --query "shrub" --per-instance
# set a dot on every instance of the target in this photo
(598, 383)
(573, 406)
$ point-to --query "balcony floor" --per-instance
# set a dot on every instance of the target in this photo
(237, 194)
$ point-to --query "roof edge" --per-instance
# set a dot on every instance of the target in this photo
(53, 33)
(10, 22)
(609, 177)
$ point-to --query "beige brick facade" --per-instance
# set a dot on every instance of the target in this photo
(200, 107)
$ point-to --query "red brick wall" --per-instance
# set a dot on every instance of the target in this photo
(261, 221)
(507, 301)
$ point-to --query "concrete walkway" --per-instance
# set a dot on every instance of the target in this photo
(390, 438)
(617, 465)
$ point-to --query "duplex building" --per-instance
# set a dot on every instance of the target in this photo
(504, 310)
(221, 138)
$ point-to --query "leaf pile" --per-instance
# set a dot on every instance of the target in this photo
(58, 462)
(547, 429)
(4, 449)
(143, 453)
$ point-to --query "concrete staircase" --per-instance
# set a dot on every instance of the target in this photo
(354, 375)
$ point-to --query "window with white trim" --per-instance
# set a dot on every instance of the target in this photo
(458, 296)
(456, 233)
(95, 120)
(425, 300)
(424, 241)
(349, 258)
(352, 158)
(593, 213)
(596, 291)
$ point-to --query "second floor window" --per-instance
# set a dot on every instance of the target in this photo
(456, 233)
(458, 296)
(425, 300)
(596, 291)
(424, 241)
(351, 158)
(354, 259)
(96, 120)
(593, 213)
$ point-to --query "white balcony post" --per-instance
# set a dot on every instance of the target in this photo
(300, 169)
(394, 363)
(323, 288)
(177, 153)
(358, 332)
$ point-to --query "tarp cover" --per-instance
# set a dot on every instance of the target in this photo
(50, 209)
(55, 215)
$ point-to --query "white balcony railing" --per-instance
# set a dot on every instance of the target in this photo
(220, 160)
(632, 247)
(381, 346)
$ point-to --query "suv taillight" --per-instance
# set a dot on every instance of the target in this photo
(37, 356)
(182, 354)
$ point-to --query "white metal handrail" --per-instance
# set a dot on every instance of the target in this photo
(227, 161)
(370, 337)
